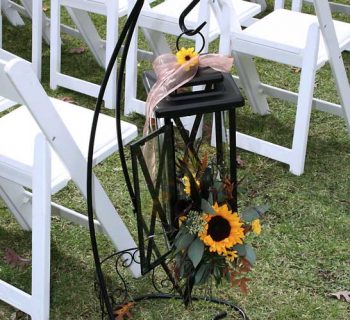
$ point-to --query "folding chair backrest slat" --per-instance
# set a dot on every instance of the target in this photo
(7, 90)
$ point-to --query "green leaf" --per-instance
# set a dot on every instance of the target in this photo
(250, 255)
(182, 231)
(206, 207)
(185, 268)
(241, 249)
(252, 213)
(202, 274)
(183, 242)
(195, 252)
(210, 199)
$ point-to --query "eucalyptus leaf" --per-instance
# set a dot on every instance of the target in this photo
(210, 199)
(202, 274)
(206, 207)
(241, 249)
(183, 242)
(250, 255)
(195, 252)
(182, 231)
(185, 268)
(252, 213)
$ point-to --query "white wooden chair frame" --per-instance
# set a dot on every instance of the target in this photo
(246, 46)
(11, 10)
(18, 83)
(33, 10)
(36, 304)
(101, 49)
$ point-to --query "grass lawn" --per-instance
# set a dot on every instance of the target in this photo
(303, 252)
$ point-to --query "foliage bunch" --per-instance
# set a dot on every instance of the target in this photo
(212, 240)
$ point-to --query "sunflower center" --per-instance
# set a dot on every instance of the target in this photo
(219, 228)
(187, 58)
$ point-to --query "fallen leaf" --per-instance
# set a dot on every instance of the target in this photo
(14, 260)
(45, 7)
(123, 311)
(240, 163)
(228, 188)
(78, 50)
(341, 295)
(242, 284)
(296, 69)
(19, 315)
(68, 99)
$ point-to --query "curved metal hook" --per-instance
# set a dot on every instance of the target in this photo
(188, 9)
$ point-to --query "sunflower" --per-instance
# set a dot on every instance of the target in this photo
(187, 184)
(222, 231)
(187, 57)
(256, 227)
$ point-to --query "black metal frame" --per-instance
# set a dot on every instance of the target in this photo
(108, 302)
(166, 166)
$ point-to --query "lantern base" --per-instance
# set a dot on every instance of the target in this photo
(123, 295)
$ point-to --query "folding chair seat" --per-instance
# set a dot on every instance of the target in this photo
(164, 19)
(66, 127)
(293, 38)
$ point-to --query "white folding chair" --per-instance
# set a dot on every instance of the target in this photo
(164, 19)
(33, 9)
(37, 303)
(67, 129)
(10, 8)
(293, 38)
(101, 49)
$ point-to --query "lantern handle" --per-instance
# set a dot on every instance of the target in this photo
(187, 10)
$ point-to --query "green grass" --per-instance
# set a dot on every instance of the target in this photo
(303, 252)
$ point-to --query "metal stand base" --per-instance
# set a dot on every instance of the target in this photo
(124, 292)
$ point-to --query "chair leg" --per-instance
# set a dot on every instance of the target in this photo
(111, 40)
(304, 105)
(335, 58)
(11, 13)
(41, 230)
(251, 83)
(88, 31)
(37, 31)
(55, 44)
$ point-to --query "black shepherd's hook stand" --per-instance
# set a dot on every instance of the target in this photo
(109, 302)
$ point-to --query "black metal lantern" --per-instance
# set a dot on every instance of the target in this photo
(220, 94)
